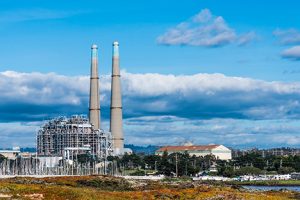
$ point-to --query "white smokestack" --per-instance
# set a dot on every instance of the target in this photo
(94, 109)
(116, 121)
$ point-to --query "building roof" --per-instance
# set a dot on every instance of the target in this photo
(188, 148)
(9, 151)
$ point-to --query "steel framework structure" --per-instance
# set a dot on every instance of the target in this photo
(75, 132)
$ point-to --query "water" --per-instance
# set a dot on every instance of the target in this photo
(267, 188)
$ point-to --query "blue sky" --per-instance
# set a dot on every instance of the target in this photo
(225, 71)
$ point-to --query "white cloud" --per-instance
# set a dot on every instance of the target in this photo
(204, 29)
(292, 53)
(158, 109)
(286, 139)
(246, 38)
(289, 36)
(209, 84)
(202, 17)
(36, 96)
(38, 88)
(172, 130)
(231, 132)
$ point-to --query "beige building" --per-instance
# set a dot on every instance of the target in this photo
(11, 154)
(219, 151)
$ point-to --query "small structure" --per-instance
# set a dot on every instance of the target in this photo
(295, 176)
(69, 152)
(11, 154)
(219, 151)
(263, 177)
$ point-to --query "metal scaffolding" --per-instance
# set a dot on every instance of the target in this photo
(76, 132)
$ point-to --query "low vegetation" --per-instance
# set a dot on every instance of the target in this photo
(105, 187)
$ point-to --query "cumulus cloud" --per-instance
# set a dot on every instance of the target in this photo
(38, 88)
(204, 29)
(203, 108)
(210, 95)
(292, 53)
(231, 132)
(36, 96)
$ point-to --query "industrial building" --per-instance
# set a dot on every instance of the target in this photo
(58, 135)
(219, 151)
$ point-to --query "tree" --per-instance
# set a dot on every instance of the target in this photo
(151, 161)
(207, 161)
(113, 158)
(131, 161)
(248, 171)
(286, 170)
(84, 158)
(137, 173)
(165, 167)
(2, 158)
(297, 163)
(228, 172)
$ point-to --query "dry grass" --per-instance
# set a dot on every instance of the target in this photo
(110, 188)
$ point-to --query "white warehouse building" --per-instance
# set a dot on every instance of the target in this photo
(219, 151)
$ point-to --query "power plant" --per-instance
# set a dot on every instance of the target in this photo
(63, 142)
(77, 132)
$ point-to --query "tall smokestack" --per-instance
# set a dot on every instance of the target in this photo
(94, 90)
(116, 127)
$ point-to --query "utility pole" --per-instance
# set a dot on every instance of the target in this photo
(280, 162)
(185, 168)
(176, 165)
